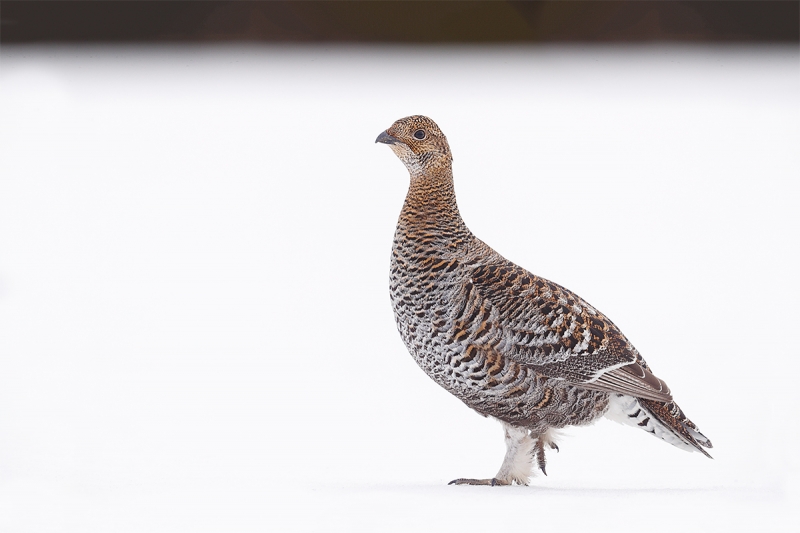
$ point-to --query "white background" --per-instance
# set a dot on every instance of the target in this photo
(195, 330)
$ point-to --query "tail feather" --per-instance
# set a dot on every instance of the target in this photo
(664, 420)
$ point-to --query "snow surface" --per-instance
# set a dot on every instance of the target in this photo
(195, 331)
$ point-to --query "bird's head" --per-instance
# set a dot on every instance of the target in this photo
(420, 145)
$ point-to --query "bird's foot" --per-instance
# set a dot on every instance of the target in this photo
(538, 451)
(467, 481)
(545, 439)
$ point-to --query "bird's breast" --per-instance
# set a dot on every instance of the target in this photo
(423, 283)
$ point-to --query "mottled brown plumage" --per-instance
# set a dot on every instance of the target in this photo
(509, 344)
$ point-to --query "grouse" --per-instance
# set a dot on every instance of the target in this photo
(511, 345)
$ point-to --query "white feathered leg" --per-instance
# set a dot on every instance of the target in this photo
(518, 463)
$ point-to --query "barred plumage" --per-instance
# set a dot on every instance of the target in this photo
(509, 344)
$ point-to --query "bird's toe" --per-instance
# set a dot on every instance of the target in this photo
(469, 481)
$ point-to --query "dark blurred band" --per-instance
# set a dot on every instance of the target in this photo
(400, 21)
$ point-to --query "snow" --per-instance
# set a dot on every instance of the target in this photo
(195, 331)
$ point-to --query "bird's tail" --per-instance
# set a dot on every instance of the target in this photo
(664, 420)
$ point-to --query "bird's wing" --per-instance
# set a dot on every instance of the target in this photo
(541, 324)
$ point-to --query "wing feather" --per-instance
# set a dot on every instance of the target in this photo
(546, 326)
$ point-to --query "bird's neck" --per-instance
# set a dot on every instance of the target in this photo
(431, 203)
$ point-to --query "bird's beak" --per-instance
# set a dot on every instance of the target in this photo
(385, 138)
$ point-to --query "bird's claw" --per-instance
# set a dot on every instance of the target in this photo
(468, 481)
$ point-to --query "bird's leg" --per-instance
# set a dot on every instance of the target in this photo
(545, 439)
(517, 465)
(541, 461)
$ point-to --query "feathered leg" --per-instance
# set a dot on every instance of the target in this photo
(517, 465)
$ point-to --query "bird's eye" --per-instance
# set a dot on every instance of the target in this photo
(419, 134)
